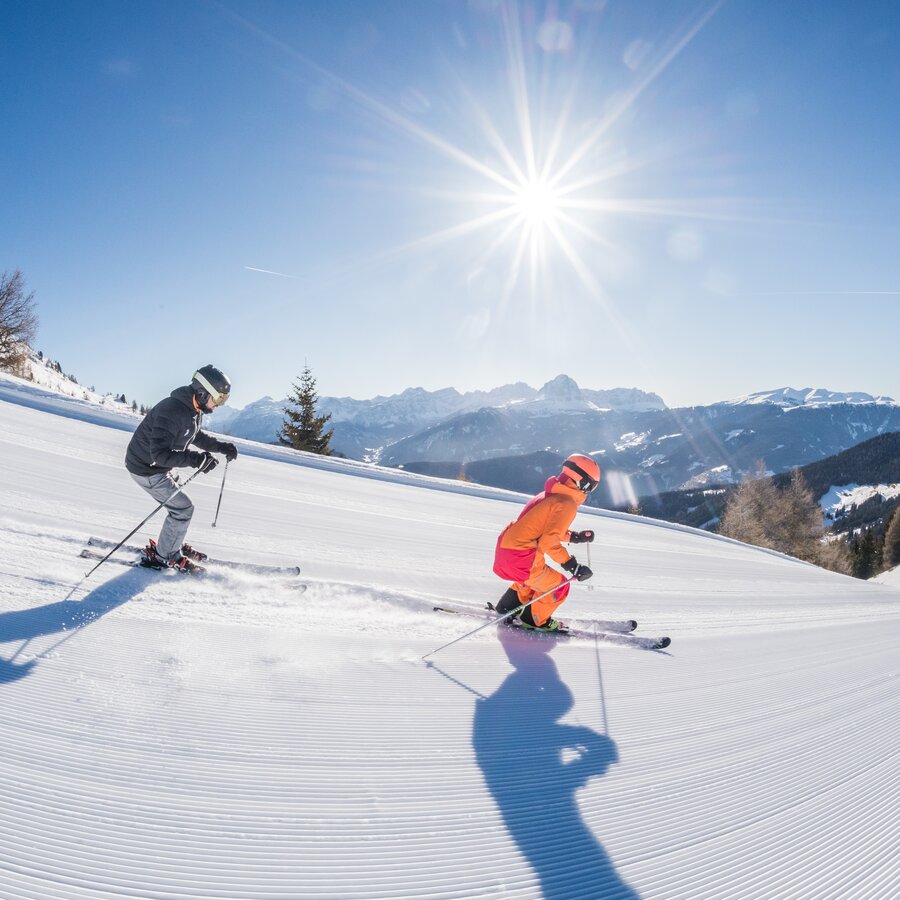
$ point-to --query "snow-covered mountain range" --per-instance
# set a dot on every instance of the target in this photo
(651, 448)
(362, 428)
(655, 448)
(790, 398)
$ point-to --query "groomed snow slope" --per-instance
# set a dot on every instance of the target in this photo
(232, 738)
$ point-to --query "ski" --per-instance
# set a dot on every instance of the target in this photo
(117, 560)
(623, 627)
(608, 632)
(136, 564)
(256, 568)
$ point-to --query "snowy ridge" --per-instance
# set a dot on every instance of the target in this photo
(810, 398)
(53, 393)
(42, 373)
(168, 737)
(839, 499)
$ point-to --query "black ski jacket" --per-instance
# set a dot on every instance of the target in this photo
(162, 439)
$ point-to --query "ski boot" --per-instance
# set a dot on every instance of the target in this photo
(186, 550)
(151, 559)
(185, 566)
(507, 603)
(192, 553)
(551, 625)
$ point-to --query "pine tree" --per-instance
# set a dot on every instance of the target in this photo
(864, 556)
(302, 428)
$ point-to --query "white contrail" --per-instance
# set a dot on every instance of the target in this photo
(267, 272)
(829, 293)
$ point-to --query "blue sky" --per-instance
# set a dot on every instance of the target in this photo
(696, 199)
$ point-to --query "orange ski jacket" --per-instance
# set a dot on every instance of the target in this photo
(541, 527)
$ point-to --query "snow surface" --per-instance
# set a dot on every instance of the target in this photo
(891, 577)
(230, 737)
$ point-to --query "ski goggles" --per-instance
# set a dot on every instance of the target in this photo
(584, 482)
(219, 398)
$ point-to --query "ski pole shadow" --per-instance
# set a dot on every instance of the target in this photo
(524, 754)
(66, 617)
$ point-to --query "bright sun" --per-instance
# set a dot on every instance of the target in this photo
(537, 203)
(540, 197)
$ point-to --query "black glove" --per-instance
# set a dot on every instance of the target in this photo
(230, 452)
(578, 572)
(206, 462)
(581, 537)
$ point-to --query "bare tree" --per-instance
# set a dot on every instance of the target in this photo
(801, 520)
(747, 513)
(788, 520)
(834, 554)
(18, 320)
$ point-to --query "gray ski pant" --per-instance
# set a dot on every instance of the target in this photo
(179, 508)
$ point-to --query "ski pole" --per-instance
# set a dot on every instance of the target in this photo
(602, 691)
(174, 493)
(512, 612)
(590, 587)
(221, 490)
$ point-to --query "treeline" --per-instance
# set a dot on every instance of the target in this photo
(698, 507)
(871, 513)
(782, 514)
(876, 549)
(875, 461)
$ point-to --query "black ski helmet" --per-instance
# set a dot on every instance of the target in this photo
(210, 382)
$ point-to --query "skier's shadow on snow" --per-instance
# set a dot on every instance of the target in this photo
(65, 617)
(520, 743)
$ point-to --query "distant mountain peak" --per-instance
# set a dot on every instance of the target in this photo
(560, 388)
(791, 398)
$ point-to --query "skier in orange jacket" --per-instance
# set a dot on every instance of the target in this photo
(541, 530)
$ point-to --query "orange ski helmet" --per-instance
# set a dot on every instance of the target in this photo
(583, 471)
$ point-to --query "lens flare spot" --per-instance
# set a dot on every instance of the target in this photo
(621, 491)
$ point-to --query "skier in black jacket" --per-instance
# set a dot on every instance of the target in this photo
(161, 444)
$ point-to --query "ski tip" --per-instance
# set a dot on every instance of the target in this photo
(632, 623)
(662, 643)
